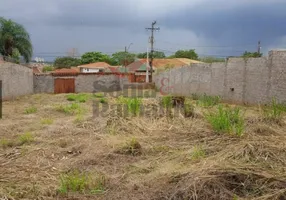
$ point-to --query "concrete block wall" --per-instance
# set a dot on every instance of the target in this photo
(97, 83)
(257, 80)
(43, 83)
(277, 75)
(17, 80)
(88, 83)
(238, 80)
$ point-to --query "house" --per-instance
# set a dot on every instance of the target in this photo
(94, 67)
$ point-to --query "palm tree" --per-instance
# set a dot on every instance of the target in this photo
(14, 38)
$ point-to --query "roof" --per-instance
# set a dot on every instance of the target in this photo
(36, 70)
(140, 65)
(95, 65)
(188, 61)
(65, 71)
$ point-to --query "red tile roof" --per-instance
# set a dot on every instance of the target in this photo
(96, 65)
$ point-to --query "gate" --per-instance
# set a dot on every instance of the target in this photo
(64, 85)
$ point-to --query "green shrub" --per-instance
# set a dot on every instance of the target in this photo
(31, 110)
(226, 120)
(274, 111)
(167, 101)
(48, 68)
(76, 181)
(208, 101)
(26, 138)
(70, 109)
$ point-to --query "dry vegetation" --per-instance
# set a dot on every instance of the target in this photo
(51, 147)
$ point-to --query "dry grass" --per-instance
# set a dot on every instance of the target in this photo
(174, 156)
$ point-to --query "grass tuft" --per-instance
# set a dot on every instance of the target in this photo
(131, 147)
(189, 110)
(76, 181)
(4, 143)
(198, 152)
(133, 104)
(227, 120)
(167, 101)
(103, 100)
(31, 110)
(274, 112)
(81, 98)
(208, 101)
(47, 121)
(98, 95)
(70, 109)
(26, 138)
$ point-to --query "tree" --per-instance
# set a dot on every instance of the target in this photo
(190, 54)
(156, 54)
(123, 58)
(247, 54)
(66, 62)
(92, 57)
(211, 59)
(14, 39)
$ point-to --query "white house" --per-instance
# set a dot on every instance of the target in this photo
(94, 67)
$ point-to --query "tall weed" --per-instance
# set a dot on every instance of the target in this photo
(226, 120)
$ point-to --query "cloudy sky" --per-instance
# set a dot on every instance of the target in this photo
(212, 27)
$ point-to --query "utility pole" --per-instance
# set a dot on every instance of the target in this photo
(125, 59)
(259, 48)
(152, 45)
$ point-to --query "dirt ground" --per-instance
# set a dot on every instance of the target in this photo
(147, 157)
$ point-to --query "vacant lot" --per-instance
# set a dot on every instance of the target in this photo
(53, 147)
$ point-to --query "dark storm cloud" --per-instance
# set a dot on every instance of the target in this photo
(62, 24)
(239, 24)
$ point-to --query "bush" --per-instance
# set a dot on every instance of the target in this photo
(226, 120)
(31, 110)
(48, 68)
(76, 181)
